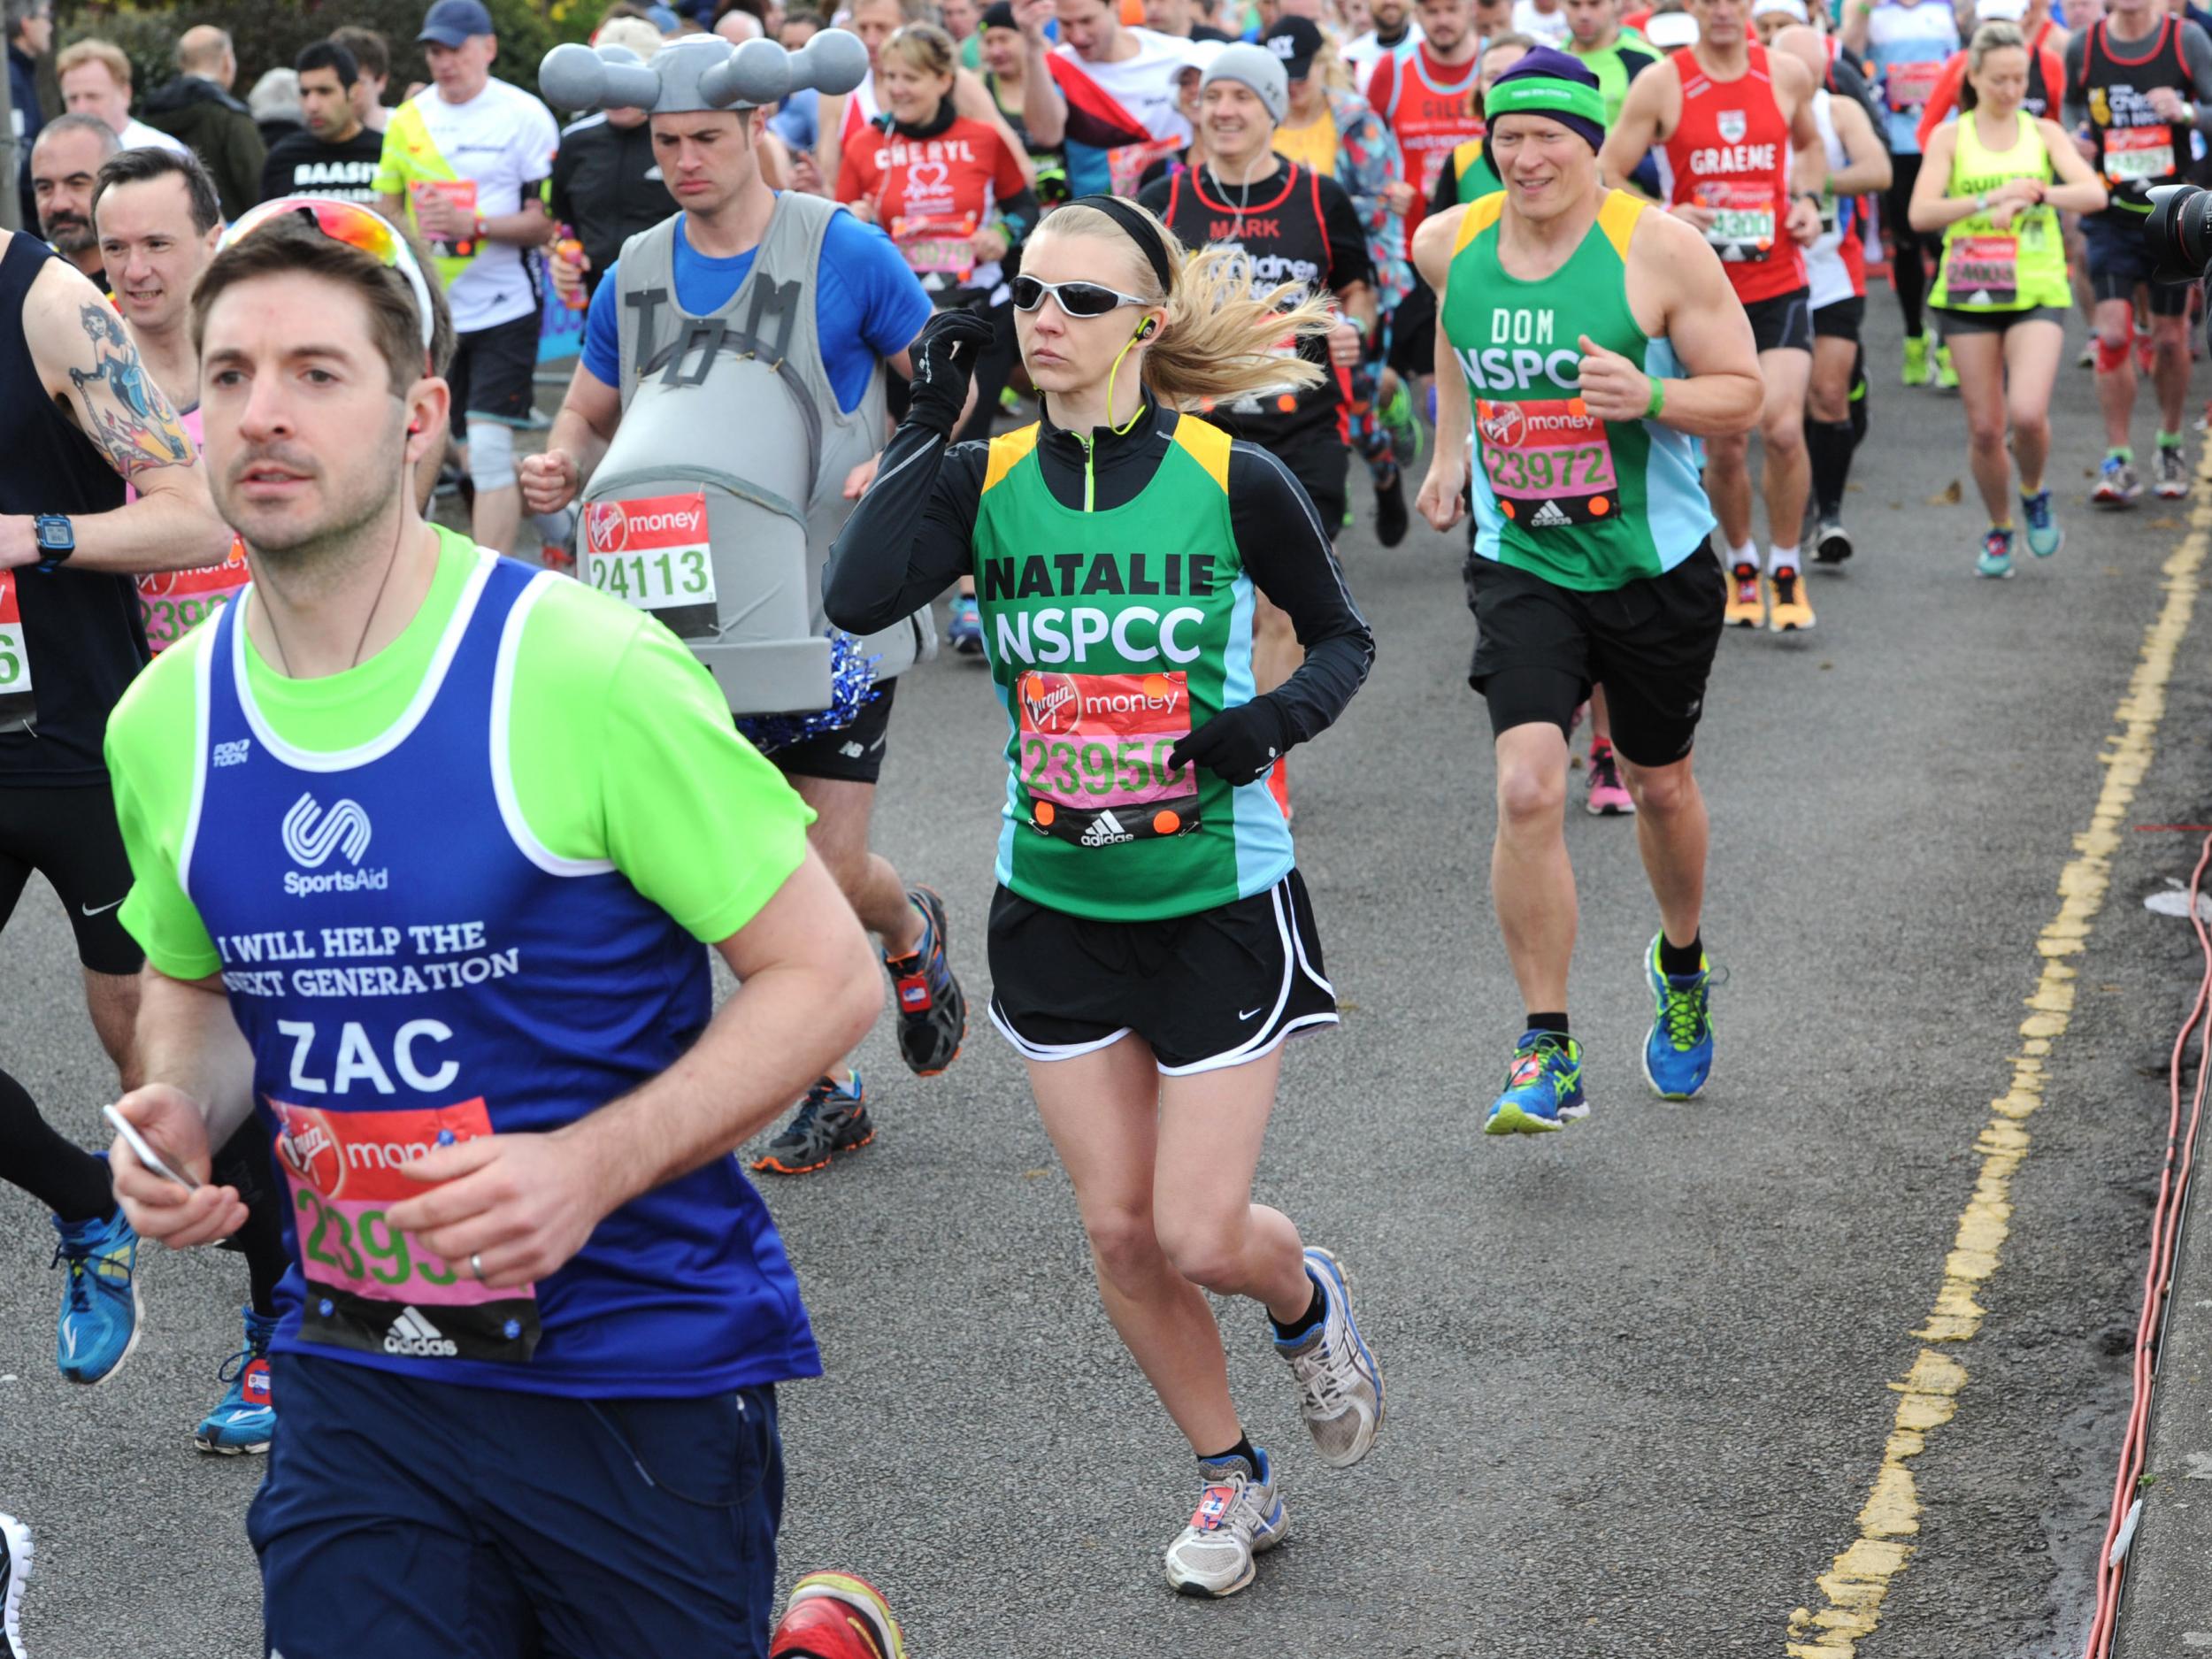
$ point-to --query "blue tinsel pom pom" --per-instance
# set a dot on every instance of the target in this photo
(852, 689)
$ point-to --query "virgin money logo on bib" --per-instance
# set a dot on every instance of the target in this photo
(1052, 703)
(310, 1148)
(647, 525)
(1732, 125)
(1501, 425)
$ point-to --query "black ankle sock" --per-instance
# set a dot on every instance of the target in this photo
(1555, 1023)
(1243, 1448)
(1315, 1311)
(1676, 960)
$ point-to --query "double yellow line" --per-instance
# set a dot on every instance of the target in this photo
(1854, 1588)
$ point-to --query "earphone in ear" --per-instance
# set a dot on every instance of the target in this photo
(414, 428)
(1144, 329)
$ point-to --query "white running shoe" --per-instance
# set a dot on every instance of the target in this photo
(1238, 1516)
(1340, 1385)
(15, 1569)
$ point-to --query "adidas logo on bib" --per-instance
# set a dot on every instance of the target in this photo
(412, 1334)
(1549, 517)
(1105, 830)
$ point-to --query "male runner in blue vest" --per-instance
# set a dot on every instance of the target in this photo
(428, 853)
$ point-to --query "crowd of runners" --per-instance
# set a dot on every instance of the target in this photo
(1072, 313)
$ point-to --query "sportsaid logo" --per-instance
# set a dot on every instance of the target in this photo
(312, 835)
(414, 1336)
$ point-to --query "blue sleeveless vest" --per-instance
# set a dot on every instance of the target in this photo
(411, 969)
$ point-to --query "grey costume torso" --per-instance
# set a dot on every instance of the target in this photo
(738, 403)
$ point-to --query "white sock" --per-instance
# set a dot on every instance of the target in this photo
(1748, 554)
(1781, 558)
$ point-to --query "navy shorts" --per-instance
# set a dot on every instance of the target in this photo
(402, 1518)
(2120, 261)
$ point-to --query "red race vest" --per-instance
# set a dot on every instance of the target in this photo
(1431, 115)
(1731, 152)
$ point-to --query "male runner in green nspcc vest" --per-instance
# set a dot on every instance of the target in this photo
(1597, 341)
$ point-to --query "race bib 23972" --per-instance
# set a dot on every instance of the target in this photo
(1549, 462)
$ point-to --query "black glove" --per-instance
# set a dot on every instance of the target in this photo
(944, 361)
(1238, 744)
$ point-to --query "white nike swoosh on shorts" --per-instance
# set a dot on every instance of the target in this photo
(104, 909)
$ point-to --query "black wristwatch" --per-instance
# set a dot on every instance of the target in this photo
(56, 540)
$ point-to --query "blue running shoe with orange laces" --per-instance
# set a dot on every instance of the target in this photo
(1679, 1052)
(1543, 1091)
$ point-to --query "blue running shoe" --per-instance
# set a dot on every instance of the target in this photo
(99, 1298)
(933, 1009)
(246, 1420)
(1543, 1091)
(2045, 534)
(1995, 558)
(1679, 1052)
(963, 629)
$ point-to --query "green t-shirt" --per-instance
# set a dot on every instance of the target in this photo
(621, 749)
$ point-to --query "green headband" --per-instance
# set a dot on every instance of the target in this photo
(1544, 94)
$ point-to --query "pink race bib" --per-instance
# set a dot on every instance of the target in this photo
(1549, 462)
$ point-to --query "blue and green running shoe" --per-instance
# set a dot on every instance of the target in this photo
(1679, 1052)
(1543, 1091)
(2045, 534)
(246, 1419)
(99, 1297)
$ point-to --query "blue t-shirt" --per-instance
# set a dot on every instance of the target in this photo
(799, 122)
(867, 304)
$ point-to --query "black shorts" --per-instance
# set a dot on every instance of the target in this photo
(1320, 461)
(1784, 323)
(494, 373)
(2120, 261)
(69, 836)
(1205, 991)
(1841, 320)
(851, 754)
(1651, 644)
(1956, 321)
(1413, 331)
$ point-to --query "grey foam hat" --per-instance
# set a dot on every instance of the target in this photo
(700, 72)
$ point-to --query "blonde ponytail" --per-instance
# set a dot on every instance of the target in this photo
(1218, 341)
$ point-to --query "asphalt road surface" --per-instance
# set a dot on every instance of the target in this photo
(1643, 1375)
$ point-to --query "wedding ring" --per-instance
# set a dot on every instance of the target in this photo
(476, 1263)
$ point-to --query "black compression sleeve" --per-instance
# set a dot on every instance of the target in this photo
(1285, 547)
(911, 537)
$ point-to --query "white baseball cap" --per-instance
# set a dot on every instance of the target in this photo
(2000, 10)
(1795, 9)
(1672, 30)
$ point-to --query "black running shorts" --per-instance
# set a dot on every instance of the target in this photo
(1320, 460)
(1841, 320)
(1205, 991)
(1651, 644)
(1784, 323)
(69, 836)
(851, 754)
(494, 373)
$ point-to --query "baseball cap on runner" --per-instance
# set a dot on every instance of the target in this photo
(1257, 68)
(1672, 30)
(1297, 41)
(451, 22)
(2000, 10)
(1794, 9)
(1550, 83)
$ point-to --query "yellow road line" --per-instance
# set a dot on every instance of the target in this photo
(1855, 1587)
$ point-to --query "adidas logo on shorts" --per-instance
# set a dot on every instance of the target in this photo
(412, 1334)
(1105, 830)
(1549, 517)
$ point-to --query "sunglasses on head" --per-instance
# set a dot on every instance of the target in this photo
(352, 224)
(1077, 299)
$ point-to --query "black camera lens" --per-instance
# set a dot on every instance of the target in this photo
(2180, 231)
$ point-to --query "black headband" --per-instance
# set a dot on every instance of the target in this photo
(1138, 228)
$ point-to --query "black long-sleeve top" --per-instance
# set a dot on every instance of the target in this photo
(913, 536)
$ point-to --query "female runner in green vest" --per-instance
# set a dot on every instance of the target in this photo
(1151, 943)
(1994, 183)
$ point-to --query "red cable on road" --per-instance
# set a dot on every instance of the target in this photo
(2173, 1193)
